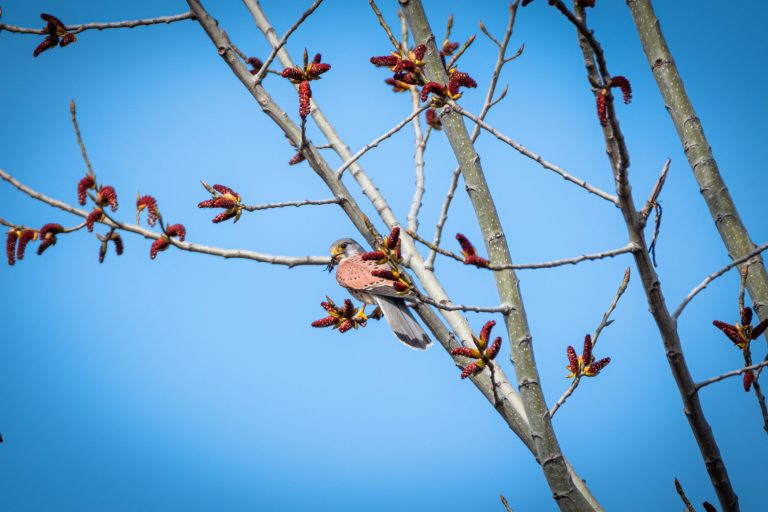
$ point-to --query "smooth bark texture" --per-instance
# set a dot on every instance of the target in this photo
(548, 451)
(697, 149)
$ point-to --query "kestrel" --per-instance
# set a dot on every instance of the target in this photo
(354, 274)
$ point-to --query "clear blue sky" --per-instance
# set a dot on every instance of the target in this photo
(194, 383)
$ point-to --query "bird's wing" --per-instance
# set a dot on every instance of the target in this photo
(355, 273)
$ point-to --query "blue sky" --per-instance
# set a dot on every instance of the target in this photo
(194, 383)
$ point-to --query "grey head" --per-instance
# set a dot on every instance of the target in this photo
(344, 248)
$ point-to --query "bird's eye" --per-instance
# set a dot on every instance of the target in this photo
(343, 246)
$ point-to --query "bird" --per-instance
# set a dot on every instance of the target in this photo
(354, 274)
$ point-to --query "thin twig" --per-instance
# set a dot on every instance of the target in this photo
(265, 67)
(21, 227)
(399, 126)
(530, 266)
(605, 322)
(488, 103)
(76, 29)
(80, 143)
(384, 25)
(460, 52)
(305, 202)
(535, 157)
(653, 198)
(420, 142)
(505, 503)
(714, 276)
(683, 497)
(503, 308)
(288, 261)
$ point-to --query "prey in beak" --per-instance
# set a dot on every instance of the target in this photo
(336, 254)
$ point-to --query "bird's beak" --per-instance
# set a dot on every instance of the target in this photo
(336, 255)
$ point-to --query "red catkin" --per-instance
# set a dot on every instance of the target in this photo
(305, 95)
(493, 350)
(573, 360)
(84, 185)
(749, 378)
(177, 230)
(626, 89)
(324, 322)
(10, 246)
(25, 237)
(485, 332)
(158, 245)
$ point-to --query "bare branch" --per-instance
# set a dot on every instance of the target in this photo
(288, 261)
(76, 29)
(448, 306)
(714, 276)
(384, 25)
(265, 67)
(80, 143)
(460, 52)
(488, 103)
(652, 200)
(681, 492)
(305, 202)
(530, 266)
(399, 126)
(605, 322)
(533, 156)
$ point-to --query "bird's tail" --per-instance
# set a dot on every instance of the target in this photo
(402, 322)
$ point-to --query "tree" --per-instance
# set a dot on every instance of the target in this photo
(284, 351)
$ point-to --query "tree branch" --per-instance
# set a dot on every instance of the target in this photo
(276, 48)
(714, 276)
(488, 103)
(605, 322)
(288, 261)
(76, 29)
(558, 477)
(305, 202)
(619, 159)
(375, 142)
(533, 156)
(529, 266)
(698, 150)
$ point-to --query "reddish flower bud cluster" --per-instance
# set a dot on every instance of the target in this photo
(345, 317)
(106, 195)
(742, 334)
(96, 215)
(448, 48)
(483, 354)
(620, 82)
(626, 89)
(115, 238)
(459, 79)
(749, 378)
(584, 365)
(226, 198)
(397, 85)
(162, 243)
(85, 184)
(602, 107)
(399, 63)
(297, 158)
(312, 71)
(256, 64)
(47, 236)
(379, 256)
(150, 204)
(26, 236)
(470, 253)
(434, 120)
(57, 35)
(10, 246)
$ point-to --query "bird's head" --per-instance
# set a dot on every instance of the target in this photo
(343, 248)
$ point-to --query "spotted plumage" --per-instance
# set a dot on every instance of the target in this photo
(354, 274)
